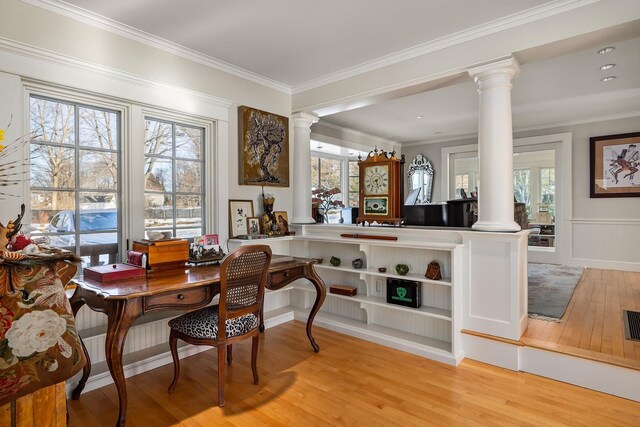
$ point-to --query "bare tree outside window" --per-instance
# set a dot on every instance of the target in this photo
(173, 179)
(74, 160)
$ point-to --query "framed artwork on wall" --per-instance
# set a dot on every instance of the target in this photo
(615, 165)
(264, 148)
(239, 211)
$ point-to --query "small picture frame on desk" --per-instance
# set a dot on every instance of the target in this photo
(282, 221)
(239, 211)
(253, 225)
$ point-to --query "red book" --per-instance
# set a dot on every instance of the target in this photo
(111, 272)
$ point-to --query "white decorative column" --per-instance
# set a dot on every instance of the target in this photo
(302, 168)
(495, 146)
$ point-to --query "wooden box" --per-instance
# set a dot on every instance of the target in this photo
(111, 272)
(343, 290)
(164, 253)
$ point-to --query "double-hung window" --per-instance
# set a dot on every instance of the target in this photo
(74, 177)
(173, 178)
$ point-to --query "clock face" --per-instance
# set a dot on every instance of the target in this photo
(376, 179)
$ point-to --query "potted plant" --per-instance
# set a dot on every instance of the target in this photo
(326, 200)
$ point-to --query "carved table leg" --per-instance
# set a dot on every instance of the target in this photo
(321, 293)
(76, 304)
(120, 320)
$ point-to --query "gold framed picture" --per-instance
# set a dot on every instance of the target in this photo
(282, 221)
(615, 165)
(264, 148)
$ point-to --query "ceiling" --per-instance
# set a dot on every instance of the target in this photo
(296, 43)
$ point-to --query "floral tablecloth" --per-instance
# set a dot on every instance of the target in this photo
(39, 343)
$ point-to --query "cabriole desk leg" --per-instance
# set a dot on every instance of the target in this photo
(321, 293)
(121, 316)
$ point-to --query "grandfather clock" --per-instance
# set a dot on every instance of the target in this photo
(381, 188)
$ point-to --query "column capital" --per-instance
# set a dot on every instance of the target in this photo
(508, 67)
(304, 119)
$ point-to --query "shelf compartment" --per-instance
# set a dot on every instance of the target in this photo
(438, 246)
(435, 349)
(445, 281)
(437, 313)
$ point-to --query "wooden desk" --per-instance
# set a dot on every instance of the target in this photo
(184, 289)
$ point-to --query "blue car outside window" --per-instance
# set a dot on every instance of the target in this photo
(98, 221)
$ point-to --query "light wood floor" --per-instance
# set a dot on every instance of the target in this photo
(350, 382)
(592, 326)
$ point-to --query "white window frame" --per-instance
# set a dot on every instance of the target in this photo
(174, 194)
(132, 116)
(78, 97)
(344, 171)
(561, 143)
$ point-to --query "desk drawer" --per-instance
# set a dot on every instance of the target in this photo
(282, 278)
(179, 299)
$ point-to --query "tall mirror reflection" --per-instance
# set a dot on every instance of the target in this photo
(420, 176)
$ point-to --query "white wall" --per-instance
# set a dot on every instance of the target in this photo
(604, 232)
(41, 45)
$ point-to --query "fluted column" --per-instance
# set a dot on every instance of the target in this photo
(495, 146)
(302, 168)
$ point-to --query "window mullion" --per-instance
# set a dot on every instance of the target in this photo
(174, 182)
(76, 130)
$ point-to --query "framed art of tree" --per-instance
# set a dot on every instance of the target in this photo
(264, 148)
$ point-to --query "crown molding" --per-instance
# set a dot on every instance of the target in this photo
(534, 14)
(462, 137)
(356, 134)
(38, 53)
(107, 24)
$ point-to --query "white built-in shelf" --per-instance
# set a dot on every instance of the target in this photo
(372, 330)
(439, 246)
(424, 310)
(389, 273)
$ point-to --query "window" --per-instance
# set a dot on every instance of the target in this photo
(74, 178)
(326, 173)
(548, 190)
(522, 188)
(173, 178)
(354, 184)
(462, 184)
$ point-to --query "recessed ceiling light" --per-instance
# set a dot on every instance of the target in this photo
(606, 50)
(607, 66)
(352, 154)
(437, 132)
(419, 117)
(319, 147)
(608, 78)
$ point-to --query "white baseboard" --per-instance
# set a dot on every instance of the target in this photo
(606, 265)
(493, 352)
(603, 377)
(598, 376)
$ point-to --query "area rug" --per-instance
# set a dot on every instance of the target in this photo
(550, 289)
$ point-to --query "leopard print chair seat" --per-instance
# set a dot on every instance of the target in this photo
(203, 324)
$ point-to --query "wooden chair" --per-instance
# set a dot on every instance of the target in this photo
(243, 276)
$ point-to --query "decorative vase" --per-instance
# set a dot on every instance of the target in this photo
(335, 261)
(433, 271)
(402, 269)
(357, 263)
